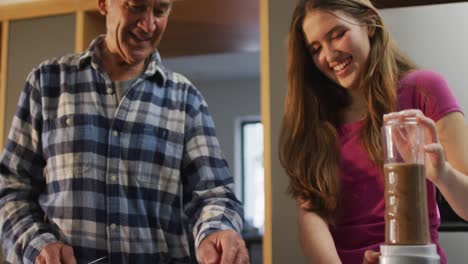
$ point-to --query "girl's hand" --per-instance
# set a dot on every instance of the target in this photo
(371, 257)
(436, 166)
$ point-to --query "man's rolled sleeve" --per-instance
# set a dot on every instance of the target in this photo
(209, 198)
(204, 227)
(35, 246)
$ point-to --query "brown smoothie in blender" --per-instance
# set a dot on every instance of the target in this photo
(406, 215)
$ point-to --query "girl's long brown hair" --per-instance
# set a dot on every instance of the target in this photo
(309, 144)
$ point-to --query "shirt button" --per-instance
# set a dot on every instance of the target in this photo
(68, 121)
(113, 226)
(110, 90)
(113, 178)
(115, 133)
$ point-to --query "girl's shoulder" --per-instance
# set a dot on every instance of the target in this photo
(428, 91)
(423, 78)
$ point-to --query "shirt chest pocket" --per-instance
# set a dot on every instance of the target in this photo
(154, 157)
(71, 145)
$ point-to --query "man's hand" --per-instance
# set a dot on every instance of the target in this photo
(56, 253)
(371, 257)
(223, 247)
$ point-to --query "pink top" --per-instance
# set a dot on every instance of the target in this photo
(361, 223)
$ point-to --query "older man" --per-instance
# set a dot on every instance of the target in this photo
(113, 157)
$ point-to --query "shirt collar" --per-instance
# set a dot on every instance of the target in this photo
(154, 68)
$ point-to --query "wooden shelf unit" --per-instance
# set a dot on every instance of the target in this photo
(89, 24)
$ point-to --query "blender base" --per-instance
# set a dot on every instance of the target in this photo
(409, 254)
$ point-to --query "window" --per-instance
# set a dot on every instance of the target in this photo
(251, 170)
(249, 182)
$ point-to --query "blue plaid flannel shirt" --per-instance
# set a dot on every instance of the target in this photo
(137, 181)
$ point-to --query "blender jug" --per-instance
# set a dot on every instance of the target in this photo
(407, 237)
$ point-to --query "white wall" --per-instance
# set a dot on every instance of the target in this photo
(436, 37)
(227, 100)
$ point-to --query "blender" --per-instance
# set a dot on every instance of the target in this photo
(407, 236)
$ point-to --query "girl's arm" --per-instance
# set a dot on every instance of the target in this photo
(315, 238)
(453, 181)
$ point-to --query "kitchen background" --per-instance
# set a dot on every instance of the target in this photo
(435, 36)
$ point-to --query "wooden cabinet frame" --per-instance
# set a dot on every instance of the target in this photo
(3, 77)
